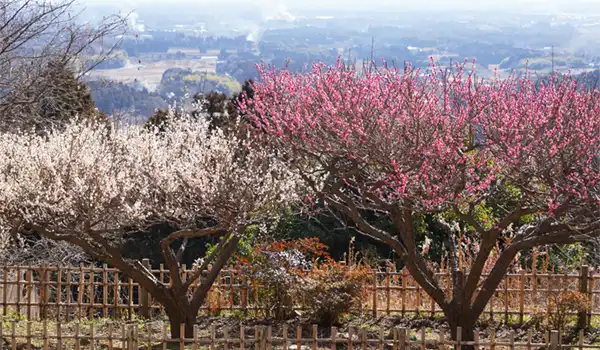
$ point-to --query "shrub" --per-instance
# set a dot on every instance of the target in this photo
(331, 290)
(275, 270)
(562, 305)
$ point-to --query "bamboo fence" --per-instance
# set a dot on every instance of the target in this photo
(86, 292)
(134, 336)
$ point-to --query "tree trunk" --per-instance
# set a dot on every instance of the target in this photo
(466, 320)
(179, 316)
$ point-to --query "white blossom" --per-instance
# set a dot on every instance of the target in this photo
(94, 175)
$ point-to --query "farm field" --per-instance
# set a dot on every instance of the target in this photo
(150, 74)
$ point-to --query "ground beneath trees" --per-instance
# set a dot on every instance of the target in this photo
(355, 325)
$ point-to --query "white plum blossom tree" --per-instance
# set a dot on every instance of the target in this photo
(86, 183)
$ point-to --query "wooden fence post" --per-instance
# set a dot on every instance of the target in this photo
(375, 296)
(44, 295)
(583, 288)
(402, 339)
(144, 298)
(130, 338)
(244, 295)
(554, 340)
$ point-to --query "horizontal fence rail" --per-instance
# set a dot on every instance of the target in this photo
(155, 336)
(74, 293)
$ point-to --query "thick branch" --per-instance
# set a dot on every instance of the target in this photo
(425, 280)
(208, 281)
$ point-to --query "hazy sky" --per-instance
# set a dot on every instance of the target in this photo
(588, 6)
(416, 4)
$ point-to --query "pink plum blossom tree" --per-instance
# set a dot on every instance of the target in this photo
(509, 162)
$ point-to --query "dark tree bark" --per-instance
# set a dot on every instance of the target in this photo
(181, 309)
(471, 291)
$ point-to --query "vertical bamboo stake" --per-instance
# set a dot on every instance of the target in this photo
(13, 335)
(388, 296)
(44, 291)
(28, 334)
(529, 337)
(375, 295)
(134, 338)
(143, 294)
(476, 340)
(549, 295)
(285, 337)
(441, 340)
(77, 342)
(130, 299)
(58, 292)
(257, 338)
(195, 337)
(534, 281)
(332, 345)
(583, 288)
(226, 338)
(92, 293)
(105, 290)
(505, 283)
(148, 337)
(581, 339)
(4, 290)
(128, 335)
(403, 291)
(213, 336)
(314, 336)
(402, 339)
(381, 336)
(458, 338)
(28, 290)
(244, 296)
(591, 299)
(418, 299)
(19, 291)
(242, 337)
(554, 340)
(522, 298)
(512, 340)
(116, 296)
(433, 306)
(363, 339)
(422, 338)
(298, 337)
(80, 292)
(68, 295)
(231, 291)
(92, 340)
(350, 343)
(110, 336)
(165, 338)
(492, 339)
(269, 337)
(59, 336)
(182, 336)
(124, 335)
